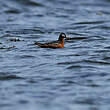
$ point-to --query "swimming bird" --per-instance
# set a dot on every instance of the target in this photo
(60, 43)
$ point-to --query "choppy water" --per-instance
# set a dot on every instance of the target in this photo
(76, 77)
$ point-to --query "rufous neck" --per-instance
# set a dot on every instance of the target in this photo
(62, 41)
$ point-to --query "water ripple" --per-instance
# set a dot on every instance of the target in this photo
(29, 3)
(74, 77)
(92, 22)
(10, 77)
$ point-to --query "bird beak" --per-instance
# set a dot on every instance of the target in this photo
(67, 38)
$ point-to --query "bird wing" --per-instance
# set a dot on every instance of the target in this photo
(48, 45)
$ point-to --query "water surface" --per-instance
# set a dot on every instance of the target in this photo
(75, 77)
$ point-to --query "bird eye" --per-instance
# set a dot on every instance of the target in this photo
(63, 35)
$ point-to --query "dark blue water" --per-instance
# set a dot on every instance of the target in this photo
(76, 77)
